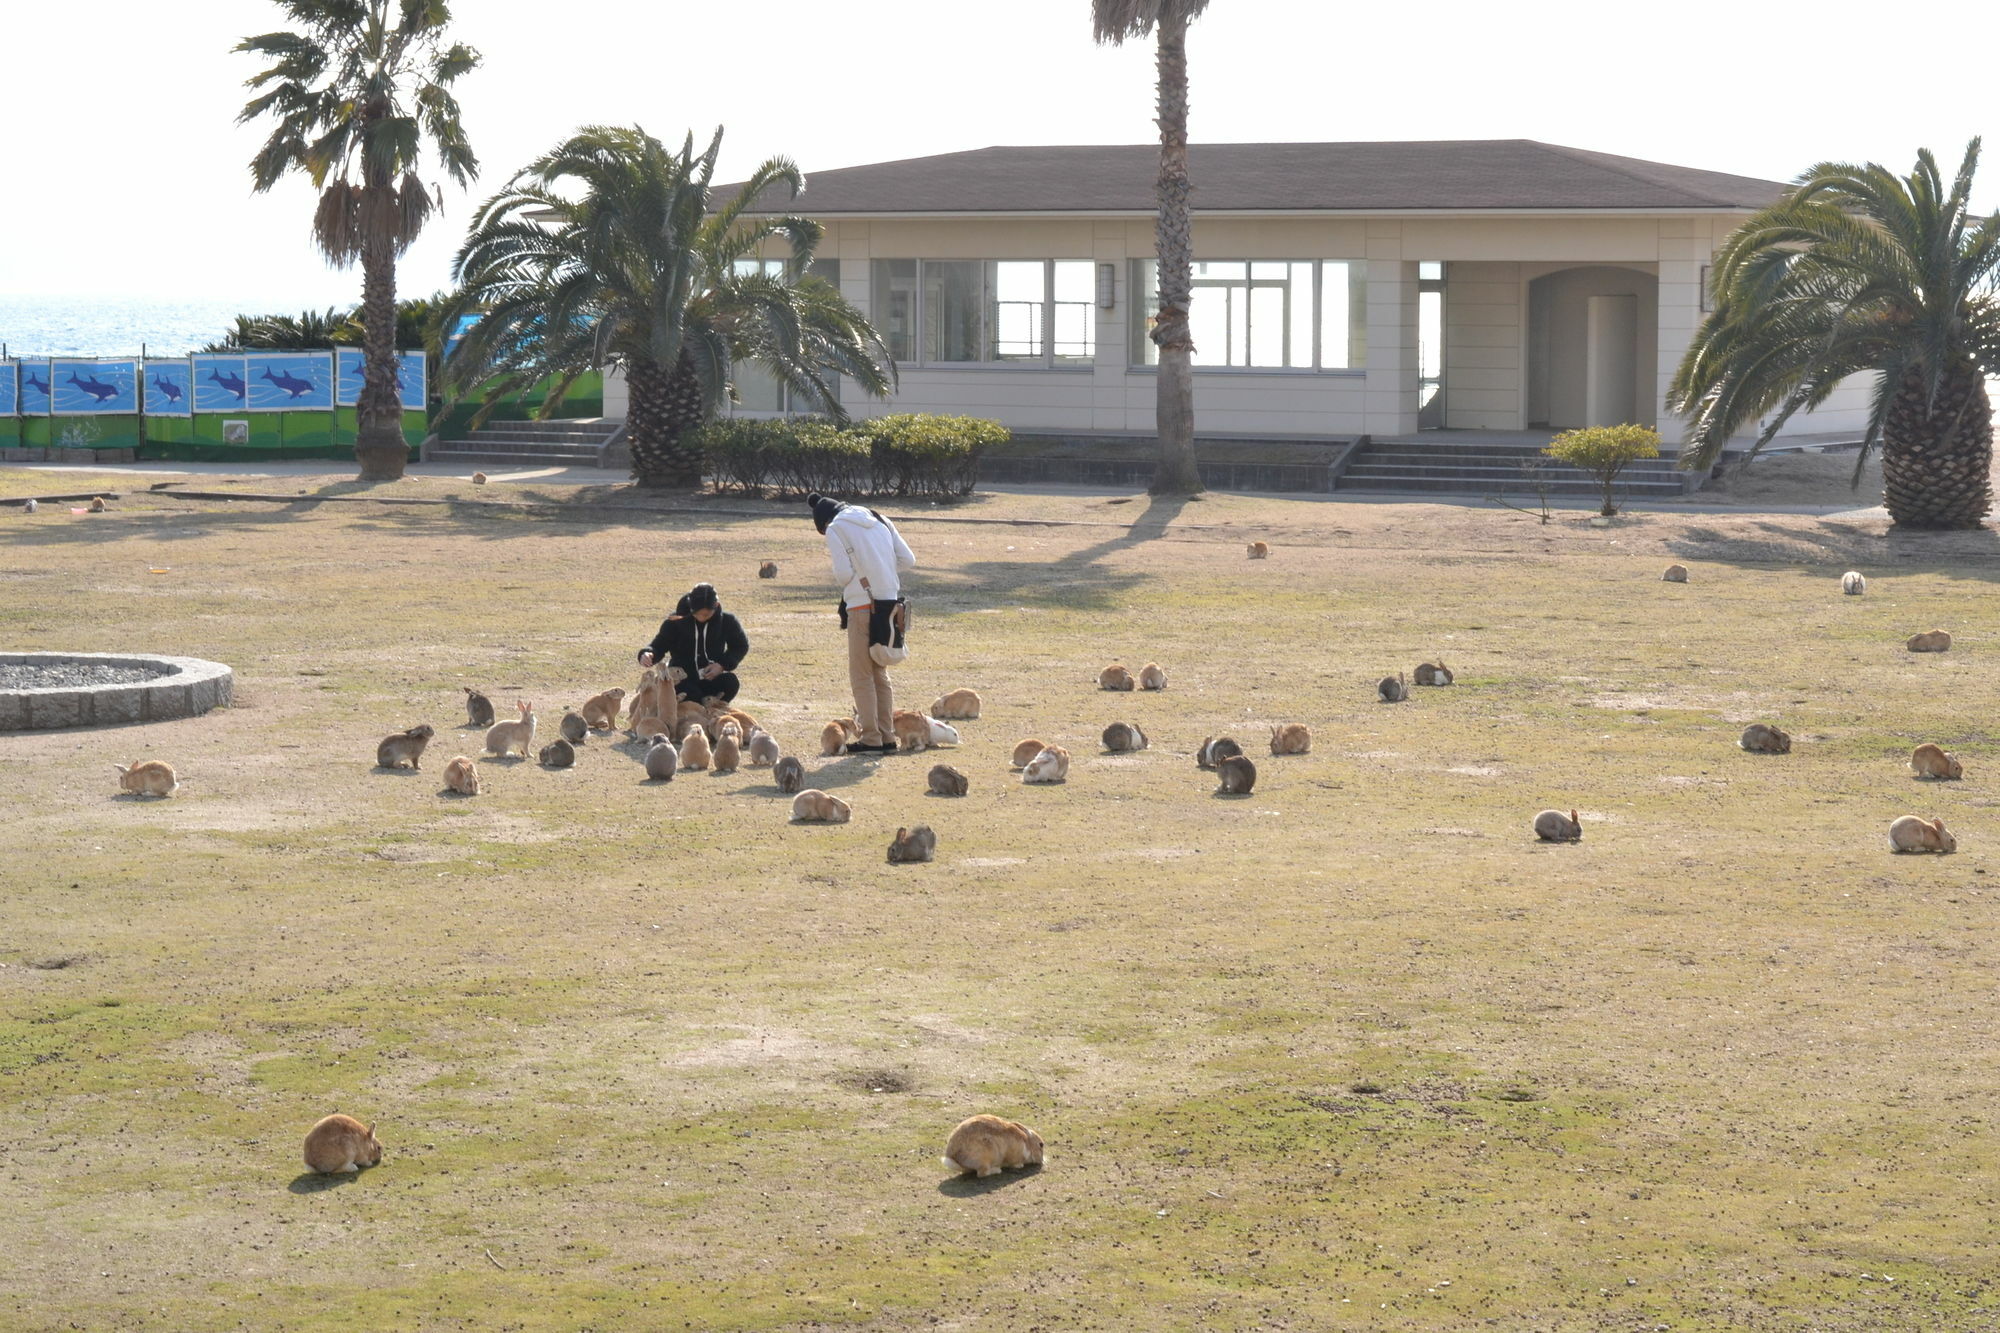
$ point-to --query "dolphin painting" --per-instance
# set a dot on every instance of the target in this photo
(230, 383)
(96, 388)
(39, 386)
(289, 382)
(168, 389)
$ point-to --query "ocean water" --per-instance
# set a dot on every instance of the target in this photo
(38, 326)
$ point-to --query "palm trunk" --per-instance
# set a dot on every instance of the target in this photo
(665, 407)
(379, 446)
(1174, 245)
(1937, 458)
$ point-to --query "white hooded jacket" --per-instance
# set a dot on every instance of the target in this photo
(865, 547)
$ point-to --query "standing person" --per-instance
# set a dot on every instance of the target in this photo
(869, 556)
(705, 642)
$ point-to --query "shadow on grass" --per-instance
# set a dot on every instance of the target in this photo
(966, 1187)
(312, 1182)
(1078, 580)
(1973, 554)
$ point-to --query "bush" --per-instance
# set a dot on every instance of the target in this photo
(1604, 452)
(920, 454)
(908, 454)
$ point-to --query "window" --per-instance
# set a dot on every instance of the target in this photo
(1035, 312)
(757, 389)
(1263, 314)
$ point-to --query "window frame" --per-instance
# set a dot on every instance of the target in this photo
(1145, 296)
(1046, 359)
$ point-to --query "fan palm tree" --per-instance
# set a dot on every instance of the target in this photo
(604, 252)
(1167, 20)
(1859, 271)
(357, 88)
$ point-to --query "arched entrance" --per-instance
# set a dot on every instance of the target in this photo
(1593, 347)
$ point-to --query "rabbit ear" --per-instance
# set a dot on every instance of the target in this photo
(1572, 817)
(1938, 824)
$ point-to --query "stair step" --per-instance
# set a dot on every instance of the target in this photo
(1465, 486)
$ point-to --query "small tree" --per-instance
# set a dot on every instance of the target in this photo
(1604, 452)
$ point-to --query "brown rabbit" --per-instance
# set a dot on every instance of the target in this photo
(1025, 752)
(1763, 738)
(573, 728)
(1911, 834)
(97, 505)
(1238, 775)
(1115, 677)
(768, 570)
(1123, 738)
(789, 774)
(1152, 677)
(558, 753)
(1051, 765)
(1937, 641)
(150, 777)
(1554, 826)
(1931, 761)
(813, 806)
(912, 730)
(1291, 738)
(1260, 550)
(917, 844)
(479, 479)
(986, 1145)
(957, 706)
(946, 781)
(600, 711)
(762, 750)
(506, 737)
(1674, 574)
(478, 708)
(695, 753)
(462, 776)
(1393, 689)
(835, 735)
(728, 754)
(662, 760)
(1434, 673)
(405, 747)
(339, 1144)
(1215, 749)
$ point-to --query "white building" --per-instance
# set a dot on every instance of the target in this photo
(1340, 288)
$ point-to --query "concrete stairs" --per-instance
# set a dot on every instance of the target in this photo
(1512, 470)
(563, 442)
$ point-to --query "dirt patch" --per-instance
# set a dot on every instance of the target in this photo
(876, 1080)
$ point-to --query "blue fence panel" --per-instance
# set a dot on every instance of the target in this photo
(10, 389)
(35, 388)
(412, 378)
(168, 388)
(290, 381)
(221, 384)
(94, 388)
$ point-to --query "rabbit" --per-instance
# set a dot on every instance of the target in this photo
(31, 506)
(942, 733)
(1434, 673)
(1260, 550)
(695, 753)
(600, 711)
(912, 730)
(1674, 574)
(1115, 677)
(573, 727)
(1291, 738)
(505, 737)
(814, 806)
(1763, 738)
(1393, 689)
(462, 776)
(97, 505)
(558, 753)
(1937, 641)
(946, 781)
(662, 759)
(1025, 752)
(1051, 765)
(151, 777)
(1238, 775)
(728, 754)
(1152, 677)
(728, 729)
(986, 1145)
(1929, 761)
(1215, 749)
(721, 715)
(478, 708)
(789, 774)
(479, 479)
(687, 727)
(768, 570)
(404, 747)
(1911, 834)
(1853, 583)
(339, 1144)
(1554, 826)
(1123, 738)
(917, 844)
(835, 735)
(762, 751)
(958, 705)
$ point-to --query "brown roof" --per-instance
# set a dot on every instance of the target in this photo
(1445, 175)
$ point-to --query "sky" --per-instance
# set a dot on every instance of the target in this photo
(142, 191)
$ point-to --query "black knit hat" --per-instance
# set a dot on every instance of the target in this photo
(823, 509)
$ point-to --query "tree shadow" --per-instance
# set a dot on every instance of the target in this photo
(1970, 554)
(967, 1187)
(1078, 580)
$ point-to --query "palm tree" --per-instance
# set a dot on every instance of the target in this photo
(1856, 271)
(1113, 21)
(604, 253)
(357, 88)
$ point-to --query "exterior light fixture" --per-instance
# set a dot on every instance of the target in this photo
(1107, 286)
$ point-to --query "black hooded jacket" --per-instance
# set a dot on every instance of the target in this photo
(691, 645)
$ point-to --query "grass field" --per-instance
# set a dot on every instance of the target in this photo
(1354, 1052)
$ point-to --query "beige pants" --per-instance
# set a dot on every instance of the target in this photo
(874, 697)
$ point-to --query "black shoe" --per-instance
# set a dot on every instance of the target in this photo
(858, 747)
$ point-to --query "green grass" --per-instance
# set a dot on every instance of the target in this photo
(1355, 1052)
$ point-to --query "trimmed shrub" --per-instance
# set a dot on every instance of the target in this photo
(907, 454)
(920, 454)
(1604, 452)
